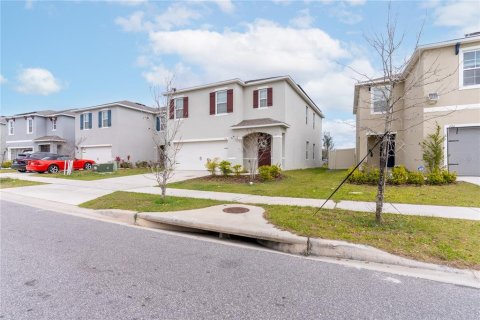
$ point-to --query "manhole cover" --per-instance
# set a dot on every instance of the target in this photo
(236, 210)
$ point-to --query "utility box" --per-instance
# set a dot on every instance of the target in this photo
(103, 167)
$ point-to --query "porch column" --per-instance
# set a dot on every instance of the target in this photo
(277, 151)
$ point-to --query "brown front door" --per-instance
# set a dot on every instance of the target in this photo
(264, 150)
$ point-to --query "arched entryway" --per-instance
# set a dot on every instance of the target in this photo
(257, 150)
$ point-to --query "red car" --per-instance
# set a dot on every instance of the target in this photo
(55, 164)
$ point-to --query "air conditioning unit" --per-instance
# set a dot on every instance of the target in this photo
(432, 97)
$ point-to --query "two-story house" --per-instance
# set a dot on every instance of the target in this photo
(3, 139)
(47, 130)
(267, 121)
(118, 129)
(450, 97)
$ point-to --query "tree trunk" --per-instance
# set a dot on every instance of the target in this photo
(381, 179)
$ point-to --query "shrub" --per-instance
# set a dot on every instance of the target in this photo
(357, 176)
(265, 173)
(432, 148)
(416, 178)
(141, 164)
(372, 175)
(225, 167)
(237, 169)
(399, 175)
(212, 165)
(435, 177)
(126, 165)
(449, 177)
(6, 164)
(275, 171)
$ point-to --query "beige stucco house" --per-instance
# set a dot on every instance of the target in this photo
(453, 102)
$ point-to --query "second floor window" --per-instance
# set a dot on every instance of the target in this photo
(313, 151)
(221, 102)
(178, 108)
(54, 124)
(379, 98)
(471, 68)
(104, 118)
(86, 121)
(29, 126)
(307, 145)
(11, 127)
(306, 115)
(262, 98)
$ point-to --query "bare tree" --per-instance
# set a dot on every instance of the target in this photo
(328, 144)
(165, 135)
(387, 47)
(72, 148)
(256, 147)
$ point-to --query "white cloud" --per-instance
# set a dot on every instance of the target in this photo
(342, 132)
(345, 15)
(356, 2)
(303, 19)
(130, 3)
(3, 79)
(134, 23)
(458, 14)
(29, 4)
(37, 81)
(226, 6)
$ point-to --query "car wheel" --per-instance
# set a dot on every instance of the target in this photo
(22, 170)
(53, 168)
(87, 166)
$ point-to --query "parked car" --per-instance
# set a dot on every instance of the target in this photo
(20, 163)
(56, 163)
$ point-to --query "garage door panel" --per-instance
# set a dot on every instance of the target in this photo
(463, 146)
(193, 156)
(97, 154)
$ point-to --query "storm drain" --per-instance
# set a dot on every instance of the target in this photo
(236, 210)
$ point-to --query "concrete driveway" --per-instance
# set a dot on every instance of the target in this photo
(474, 180)
(76, 191)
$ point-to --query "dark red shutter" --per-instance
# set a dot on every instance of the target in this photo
(212, 102)
(229, 100)
(255, 98)
(269, 97)
(171, 110)
(185, 107)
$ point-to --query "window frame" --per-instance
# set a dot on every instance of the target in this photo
(175, 108)
(86, 122)
(313, 151)
(372, 100)
(260, 90)
(462, 51)
(54, 124)
(29, 120)
(162, 124)
(104, 118)
(217, 103)
(306, 115)
(307, 145)
(11, 127)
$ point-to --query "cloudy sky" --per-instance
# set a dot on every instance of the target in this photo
(58, 55)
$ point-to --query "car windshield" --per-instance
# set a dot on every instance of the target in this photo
(50, 158)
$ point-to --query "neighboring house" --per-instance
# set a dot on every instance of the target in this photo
(264, 121)
(453, 103)
(47, 130)
(3, 139)
(118, 129)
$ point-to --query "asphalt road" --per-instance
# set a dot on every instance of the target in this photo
(56, 266)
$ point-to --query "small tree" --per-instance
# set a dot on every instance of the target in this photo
(259, 144)
(328, 144)
(432, 148)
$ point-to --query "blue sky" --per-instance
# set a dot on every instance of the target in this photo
(58, 55)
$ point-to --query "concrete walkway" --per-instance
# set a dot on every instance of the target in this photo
(76, 192)
(473, 180)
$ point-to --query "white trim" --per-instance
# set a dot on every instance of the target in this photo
(260, 99)
(221, 89)
(201, 140)
(262, 126)
(19, 141)
(9, 149)
(460, 70)
(111, 105)
(95, 145)
(445, 142)
(452, 108)
(216, 102)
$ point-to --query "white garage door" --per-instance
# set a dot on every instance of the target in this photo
(464, 150)
(97, 154)
(194, 155)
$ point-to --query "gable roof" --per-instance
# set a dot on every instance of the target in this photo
(262, 122)
(123, 103)
(413, 60)
(254, 82)
(44, 114)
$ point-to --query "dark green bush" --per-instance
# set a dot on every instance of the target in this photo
(126, 165)
(416, 178)
(399, 175)
(6, 164)
(265, 173)
(435, 177)
(225, 167)
(372, 175)
(275, 171)
(141, 164)
(449, 177)
(357, 177)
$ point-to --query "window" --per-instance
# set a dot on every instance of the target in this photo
(159, 123)
(306, 115)
(307, 145)
(471, 68)
(221, 102)
(54, 124)
(262, 98)
(86, 121)
(104, 118)
(29, 126)
(11, 127)
(313, 151)
(178, 108)
(379, 98)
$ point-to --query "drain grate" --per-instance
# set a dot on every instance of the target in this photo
(236, 210)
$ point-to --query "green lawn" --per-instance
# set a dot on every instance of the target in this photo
(13, 183)
(91, 175)
(319, 183)
(451, 242)
(8, 170)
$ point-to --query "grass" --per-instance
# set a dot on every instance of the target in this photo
(14, 183)
(7, 170)
(91, 175)
(318, 183)
(452, 242)
(142, 202)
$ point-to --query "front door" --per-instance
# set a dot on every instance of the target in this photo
(264, 150)
(390, 152)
